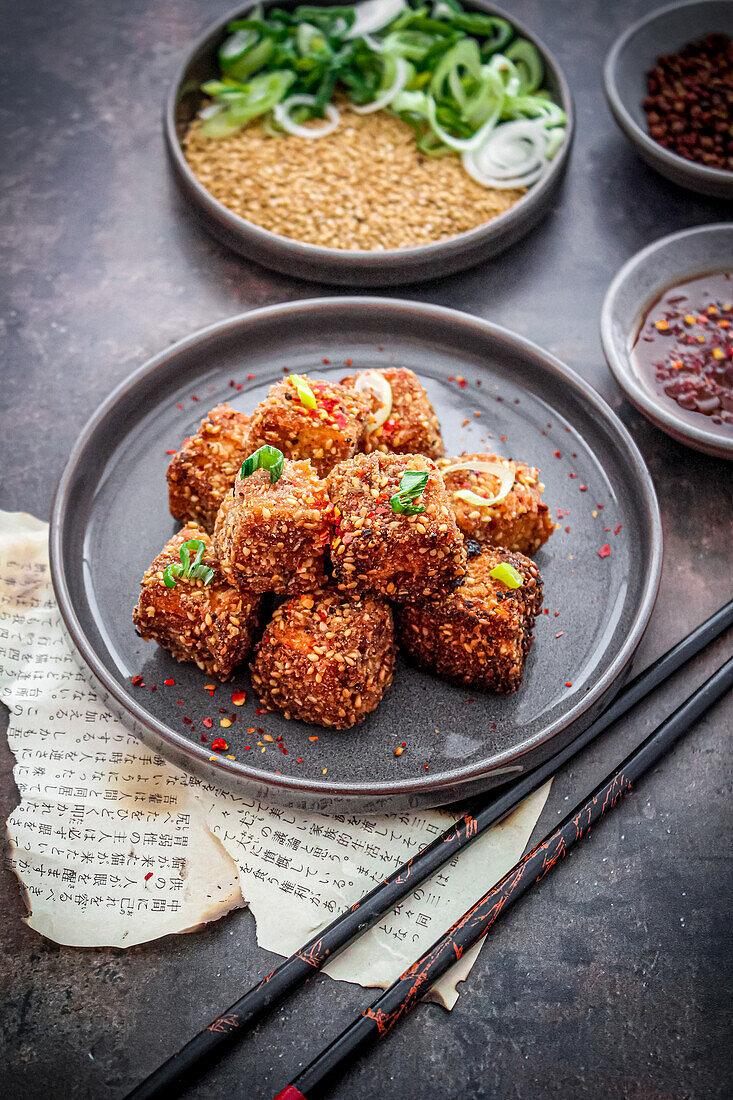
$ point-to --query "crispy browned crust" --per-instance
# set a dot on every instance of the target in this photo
(412, 426)
(202, 472)
(325, 658)
(273, 538)
(326, 435)
(481, 635)
(403, 557)
(212, 626)
(521, 521)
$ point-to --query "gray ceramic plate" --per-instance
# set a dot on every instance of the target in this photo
(110, 518)
(392, 267)
(642, 279)
(633, 55)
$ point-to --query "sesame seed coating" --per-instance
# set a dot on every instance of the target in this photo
(521, 521)
(325, 658)
(273, 538)
(404, 557)
(482, 633)
(412, 426)
(212, 626)
(204, 469)
(326, 435)
(364, 186)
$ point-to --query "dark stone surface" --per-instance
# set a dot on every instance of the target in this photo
(613, 978)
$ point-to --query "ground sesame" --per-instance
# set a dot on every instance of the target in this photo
(364, 186)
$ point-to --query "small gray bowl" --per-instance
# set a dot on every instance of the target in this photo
(642, 279)
(633, 55)
(392, 267)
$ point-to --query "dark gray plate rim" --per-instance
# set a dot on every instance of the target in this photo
(659, 414)
(629, 123)
(394, 309)
(243, 227)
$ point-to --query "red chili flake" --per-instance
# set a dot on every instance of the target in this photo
(284, 750)
(451, 377)
(194, 397)
(567, 430)
(606, 528)
(250, 377)
(477, 414)
(464, 422)
(179, 406)
(299, 760)
(399, 750)
(572, 475)
(208, 723)
(493, 725)
(240, 386)
(557, 454)
(138, 681)
(568, 683)
(546, 611)
(219, 745)
(502, 438)
(583, 488)
(617, 529)
(425, 766)
(153, 687)
(261, 710)
(605, 551)
(169, 683)
(179, 702)
(556, 614)
(573, 454)
(204, 738)
(149, 875)
(326, 361)
(239, 697)
(462, 383)
(567, 530)
(349, 362)
(248, 746)
(599, 506)
(559, 633)
(232, 383)
(188, 721)
(170, 452)
(543, 432)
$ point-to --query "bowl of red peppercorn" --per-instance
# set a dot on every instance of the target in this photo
(669, 84)
(667, 334)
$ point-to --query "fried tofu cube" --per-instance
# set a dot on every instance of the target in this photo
(326, 434)
(519, 521)
(274, 538)
(326, 658)
(203, 471)
(405, 557)
(412, 426)
(482, 633)
(210, 625)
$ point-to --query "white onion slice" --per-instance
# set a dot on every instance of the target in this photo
(403, 71)
(506, 475)
(372, 15)
(513, 155)
(281, 111)
(372, 382)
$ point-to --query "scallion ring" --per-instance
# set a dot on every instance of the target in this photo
(190, 570)
(264, 458)
(305, 393)
(507, 574)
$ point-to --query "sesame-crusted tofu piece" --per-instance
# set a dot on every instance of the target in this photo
(327, 434)
(202, 472)
(404, 557)
(326, 658)
(211, 625)
(412, 426)
(274, 538)
(521, 521)
(482, 633)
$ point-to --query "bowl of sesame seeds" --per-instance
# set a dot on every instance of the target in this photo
(366, 204)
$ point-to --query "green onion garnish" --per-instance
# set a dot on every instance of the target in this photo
(412, 485)
(305, 393)
(507, 574)
(265, 458)
(188, 569)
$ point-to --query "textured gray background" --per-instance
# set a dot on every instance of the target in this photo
(613, 979)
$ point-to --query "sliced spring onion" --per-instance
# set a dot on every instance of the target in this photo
(507, 574)
(529, 63)
(305, 393)
(188, 569)
(400, 70)
(507, 72)
(505, 474)
(310, 39)
(234, 46)
(372, 382)
(514, 155)
(265, 458)
(412, 486)
(282, 116)
(372, 15)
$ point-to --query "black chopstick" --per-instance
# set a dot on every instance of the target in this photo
(242, 1016)
(391, 1006)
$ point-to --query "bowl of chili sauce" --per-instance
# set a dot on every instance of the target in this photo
(667, 333)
